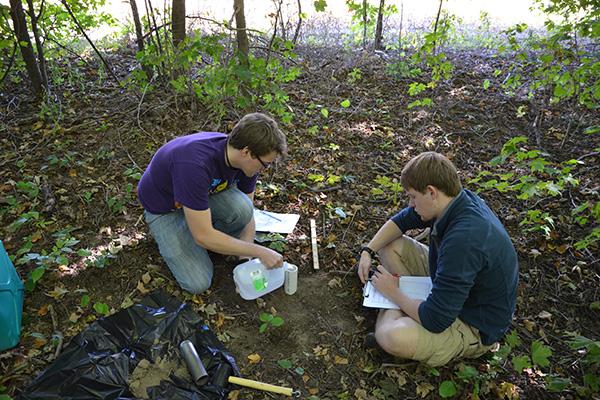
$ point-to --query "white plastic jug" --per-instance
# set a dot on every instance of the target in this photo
(254, 280)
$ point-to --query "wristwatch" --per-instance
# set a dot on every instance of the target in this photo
(369, 250)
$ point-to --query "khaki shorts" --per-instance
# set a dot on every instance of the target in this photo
(460, 340)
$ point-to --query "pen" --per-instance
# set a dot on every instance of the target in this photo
(269, 215)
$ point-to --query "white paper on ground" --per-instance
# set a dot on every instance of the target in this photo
(415, 287)
(267, 221)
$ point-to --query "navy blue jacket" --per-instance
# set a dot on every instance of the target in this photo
(473, 265)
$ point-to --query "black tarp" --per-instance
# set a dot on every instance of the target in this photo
(97, 362)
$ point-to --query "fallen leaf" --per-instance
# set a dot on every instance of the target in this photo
(313, 391)
(43, 310)
(146, 278)
(198, 300)
(507, 391)
(254, 358)
(209, 309)
(360, 394)
(529, 325)
(233, 395)
(37, 235)
(424, 388)
(72, 173)
(58, 292)
(341, 360)
(140, 287)
(335, 282)
(74, 317)
(220, 320)
(535, 253)
(39, 342)
(545, 315)
(320, 351)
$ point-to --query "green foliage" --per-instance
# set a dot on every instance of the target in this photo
(431, 58)
(221, 81)
(447, 389)
(269, 320)
(320, 5)
(534, 177)
(563, 67)
(354, 76)
(101, 308)
(285, 363)
(358, 8)
(58, 255)
(387, 188)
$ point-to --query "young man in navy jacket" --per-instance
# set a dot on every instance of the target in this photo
(471, 261)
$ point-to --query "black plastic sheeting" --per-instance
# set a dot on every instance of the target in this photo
(98, 361)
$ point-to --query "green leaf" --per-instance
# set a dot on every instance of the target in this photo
(557, 383)
(320, 5)
(265, 317)
(345, 103)
(85, 300)
(277, 321)
(513, 339)
(540, 353)
(101, 308)
(592, 129)
(285, 363)
(595, 305)
(467, 372)
(316, 177)
(521, 362)
(263, 327)
(486, 84)
(37, 273)
(447, 389)
(325, 112)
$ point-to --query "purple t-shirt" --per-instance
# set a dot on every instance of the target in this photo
(186, 170)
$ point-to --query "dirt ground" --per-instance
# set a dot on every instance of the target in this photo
(103, 131)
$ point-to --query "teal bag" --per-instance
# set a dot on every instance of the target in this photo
(11, 302)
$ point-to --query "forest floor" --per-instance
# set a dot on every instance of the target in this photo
(78, 171)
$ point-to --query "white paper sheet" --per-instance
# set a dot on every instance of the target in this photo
(267, 221)
(415, 287)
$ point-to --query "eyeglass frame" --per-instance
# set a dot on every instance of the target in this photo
(264, 164)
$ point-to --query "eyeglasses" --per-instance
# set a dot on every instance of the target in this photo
(264, 164)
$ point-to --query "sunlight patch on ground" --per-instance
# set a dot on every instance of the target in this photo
(101, 255)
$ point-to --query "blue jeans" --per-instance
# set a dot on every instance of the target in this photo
(231, 210)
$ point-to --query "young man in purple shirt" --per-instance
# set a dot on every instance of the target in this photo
(198, 193)
(471, 261)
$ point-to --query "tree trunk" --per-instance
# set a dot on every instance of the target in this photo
(22, 33)
(241, 34)
(299, 23)
(139, 35)
(437, 20)
(379, 29)
(365, 5)
(178, 18)
(401, 20)
(38, 43)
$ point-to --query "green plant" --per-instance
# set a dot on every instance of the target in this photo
(387, 188)
(354, 76)
(101, 308)
(58, 255)
(269, 320)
